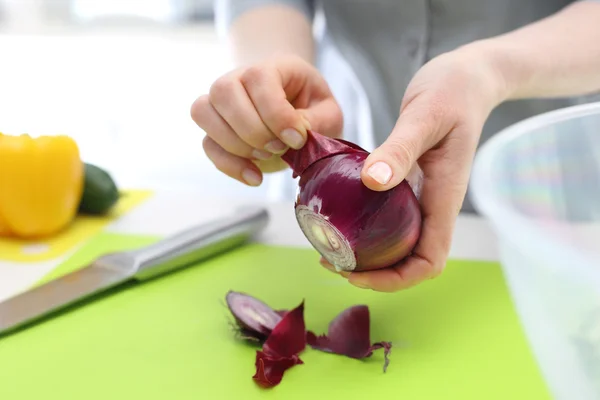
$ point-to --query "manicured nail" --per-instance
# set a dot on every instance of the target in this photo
(381, 172)
(251, 177)
(261, 155)
(276, 146)
(293, 138)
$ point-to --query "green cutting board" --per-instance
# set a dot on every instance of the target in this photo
(455, 337)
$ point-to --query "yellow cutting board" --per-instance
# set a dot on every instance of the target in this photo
(80, 230)
(456, 337)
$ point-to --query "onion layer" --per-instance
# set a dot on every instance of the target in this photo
(353, 227)
(255, 320)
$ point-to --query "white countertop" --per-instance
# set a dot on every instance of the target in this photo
(167, 212)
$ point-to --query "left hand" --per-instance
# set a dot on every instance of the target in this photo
(442, 114)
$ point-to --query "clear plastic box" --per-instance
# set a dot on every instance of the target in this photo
(538, 183)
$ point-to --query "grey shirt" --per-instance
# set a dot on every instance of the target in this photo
(369, 50)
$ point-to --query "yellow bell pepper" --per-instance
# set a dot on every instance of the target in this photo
(41, 184)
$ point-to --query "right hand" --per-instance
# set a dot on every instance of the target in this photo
(252, 115)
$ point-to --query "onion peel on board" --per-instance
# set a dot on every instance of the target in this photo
(288, 338)
(353, 227)
(270, 369)
(281, 349)
(348, 335)
(254, 319)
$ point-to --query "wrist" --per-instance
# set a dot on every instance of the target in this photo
(505, 73)
(492, 69)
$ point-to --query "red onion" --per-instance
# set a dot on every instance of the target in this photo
(353, 227)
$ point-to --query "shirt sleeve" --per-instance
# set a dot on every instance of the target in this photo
(226, 11)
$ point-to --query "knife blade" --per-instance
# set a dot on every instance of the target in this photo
(111, 270)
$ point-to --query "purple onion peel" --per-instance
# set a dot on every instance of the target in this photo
(255, 319)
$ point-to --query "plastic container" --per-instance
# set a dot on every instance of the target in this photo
(538, 183)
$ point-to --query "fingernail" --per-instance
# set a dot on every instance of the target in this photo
(381, 172)
(276, 146)
(261, 155)
(345, 274)
(293, 138)
(251, 177)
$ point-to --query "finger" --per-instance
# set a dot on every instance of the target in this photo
(325, 117)
(273, 91)
(327, 266)
(387, 280)
(443, 190)
(207, 118)
(231, 165)
(415, 179)
(229, 98)
(309, 91)
(421, 125)
(265, 88)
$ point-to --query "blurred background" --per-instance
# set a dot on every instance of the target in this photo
(119, 76)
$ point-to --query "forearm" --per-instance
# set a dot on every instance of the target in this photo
(281, 30)
(558, 56)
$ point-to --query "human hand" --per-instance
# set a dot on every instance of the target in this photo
(441, 118)
(252, 114)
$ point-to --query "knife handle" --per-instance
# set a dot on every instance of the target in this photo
(198, 243)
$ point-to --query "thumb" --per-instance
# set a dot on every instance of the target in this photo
(416, 131)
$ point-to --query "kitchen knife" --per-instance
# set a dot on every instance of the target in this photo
(110, 270)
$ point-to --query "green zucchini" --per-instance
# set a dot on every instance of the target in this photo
(100, 192)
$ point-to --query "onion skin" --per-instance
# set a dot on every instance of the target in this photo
(255, 320)
(281, 350)
(351, 226)
(349, 334)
